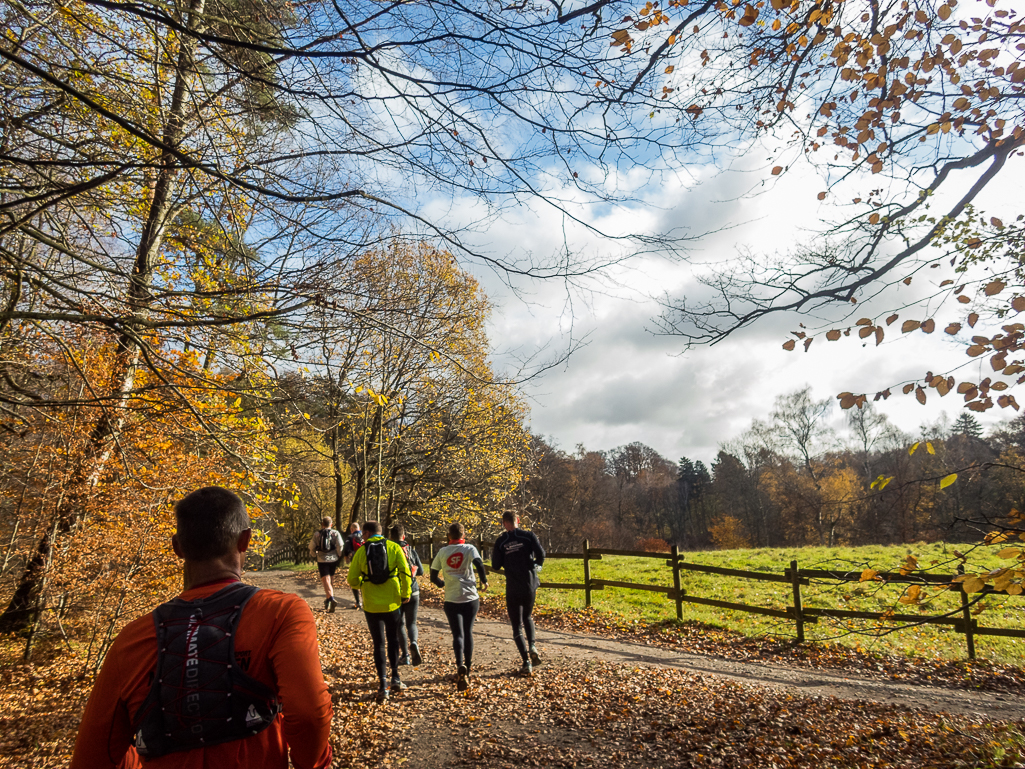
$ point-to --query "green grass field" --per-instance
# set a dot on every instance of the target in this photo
(289, 566)
(931, 641)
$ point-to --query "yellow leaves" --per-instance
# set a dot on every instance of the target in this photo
(912, 595)
(948, 480)
(1011, 552)
(996, 537)
(880, 482)
(971, 583)
(913, 448)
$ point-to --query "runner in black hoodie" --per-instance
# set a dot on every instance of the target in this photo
(520, 554)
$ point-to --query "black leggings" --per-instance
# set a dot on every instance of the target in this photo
(407, 628)
(460, 620)
(519, 606)
(384, 630)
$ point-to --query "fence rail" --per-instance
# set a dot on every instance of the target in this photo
(792, 575)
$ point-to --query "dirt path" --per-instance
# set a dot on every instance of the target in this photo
(495, 658)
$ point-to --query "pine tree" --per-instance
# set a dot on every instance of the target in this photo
(968, 425)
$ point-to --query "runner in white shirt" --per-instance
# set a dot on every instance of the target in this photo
(457, 560)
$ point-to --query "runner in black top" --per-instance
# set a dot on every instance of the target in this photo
(520, 554)
(353, 542)
(408, 636)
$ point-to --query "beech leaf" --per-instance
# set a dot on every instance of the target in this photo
(994, 287)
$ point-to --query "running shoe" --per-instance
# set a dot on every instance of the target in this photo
(334, 605)
(526, 669)
(462, 678)
(414, 652)
(358, 606)
(327, 604)
(382, 694)
(535, 658)
(397, 685)
(403, 660)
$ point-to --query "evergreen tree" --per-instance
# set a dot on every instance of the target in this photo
(968, 425)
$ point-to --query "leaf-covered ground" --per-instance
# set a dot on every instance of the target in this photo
(602, 714)
(581, 710)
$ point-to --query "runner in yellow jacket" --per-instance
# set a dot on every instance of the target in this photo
(383, 595)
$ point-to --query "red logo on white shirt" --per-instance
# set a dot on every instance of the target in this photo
(455, 561)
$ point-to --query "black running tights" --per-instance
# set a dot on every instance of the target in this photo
(384, 630)
(407, 628)
(520, 606)
(460, 620)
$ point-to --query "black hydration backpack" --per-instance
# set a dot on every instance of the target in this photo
(199, 695)
(377, 562)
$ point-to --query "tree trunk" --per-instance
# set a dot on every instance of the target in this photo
(361, 467)
(24, 604)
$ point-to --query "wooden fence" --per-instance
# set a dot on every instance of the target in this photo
(961, 620)
(280, 554)
(796, 578)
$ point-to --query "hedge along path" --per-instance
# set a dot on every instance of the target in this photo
(495, 658)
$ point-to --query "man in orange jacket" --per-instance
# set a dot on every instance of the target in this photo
(235, 680)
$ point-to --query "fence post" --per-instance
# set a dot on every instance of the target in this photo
(676, 582)
(798, 610)
(587, 578)
(967, 615)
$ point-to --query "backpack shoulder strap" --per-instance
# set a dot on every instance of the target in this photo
(190, 703)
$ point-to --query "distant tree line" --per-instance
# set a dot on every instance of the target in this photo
(788, 480)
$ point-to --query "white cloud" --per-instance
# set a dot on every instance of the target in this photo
(630, 385)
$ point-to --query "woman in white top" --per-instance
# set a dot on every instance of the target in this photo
(457, 560)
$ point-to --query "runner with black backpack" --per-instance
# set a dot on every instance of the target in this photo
(326, 546)
(408, 636)
(380, 572)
